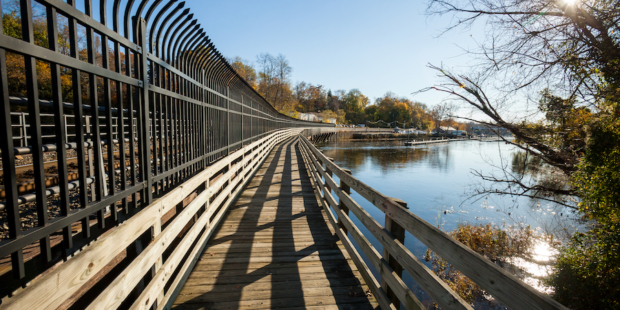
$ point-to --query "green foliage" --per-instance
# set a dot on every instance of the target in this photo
(587, 271)
(390, 108)
(565, 124)
(11, 25)
(588, 268)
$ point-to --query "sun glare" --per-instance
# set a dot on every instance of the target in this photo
(569, 2)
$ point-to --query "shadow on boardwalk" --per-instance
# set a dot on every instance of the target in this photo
(274, 249)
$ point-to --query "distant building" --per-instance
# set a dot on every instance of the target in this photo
(447, 129)
(315, 117)
(444, 129)
(484, 130)
(311, 117)
(410, 131)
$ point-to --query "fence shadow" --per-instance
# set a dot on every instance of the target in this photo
(274, 248)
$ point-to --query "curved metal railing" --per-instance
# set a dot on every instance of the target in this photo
(143, 72)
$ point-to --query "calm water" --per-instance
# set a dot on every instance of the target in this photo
(436, 181)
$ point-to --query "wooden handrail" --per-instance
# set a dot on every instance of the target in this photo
(365, 272)
(56, 287)
(344, 222)
(502, 285)
(440, 291)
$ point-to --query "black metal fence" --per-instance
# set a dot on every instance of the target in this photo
(105, 88)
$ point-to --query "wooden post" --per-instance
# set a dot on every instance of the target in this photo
(399, 234)
(229, 167)
(345, 188)
(155, 231)
(329, 172)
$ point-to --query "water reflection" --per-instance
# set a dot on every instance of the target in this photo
(387, 156)
(538, 266)
(436, 181)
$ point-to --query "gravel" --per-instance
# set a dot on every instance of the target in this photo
(28, 211)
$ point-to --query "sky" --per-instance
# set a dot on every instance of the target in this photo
(375, 46)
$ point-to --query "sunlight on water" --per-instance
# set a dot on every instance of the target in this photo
(538, 267)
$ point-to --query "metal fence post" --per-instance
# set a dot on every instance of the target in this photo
(399, 234)
(144, 94)
(66, 127)
(242, 117)
(91, 167)
(25, 131)
(227, 120)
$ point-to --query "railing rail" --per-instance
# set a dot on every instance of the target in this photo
(502, 285)
(174, 100)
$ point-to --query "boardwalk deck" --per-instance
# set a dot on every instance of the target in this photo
(275, 249)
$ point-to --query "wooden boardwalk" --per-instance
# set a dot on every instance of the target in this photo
(275, 249)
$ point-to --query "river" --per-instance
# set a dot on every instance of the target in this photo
(436, 181)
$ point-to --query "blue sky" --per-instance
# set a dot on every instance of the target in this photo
(375, 46)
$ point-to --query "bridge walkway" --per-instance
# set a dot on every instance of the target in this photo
(275, 249)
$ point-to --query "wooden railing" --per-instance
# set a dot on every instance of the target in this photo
(392, 291)
(180, 222)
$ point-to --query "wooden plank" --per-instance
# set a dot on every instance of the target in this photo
(334, 307)
(276, 233)
(241, 226)
(250, 267)
(301, 253)
(276, 303)
(267, 286)
(199, 278)
(283, 211)
(269, 247)
(335, 268)
(281, 259)
(259, 295)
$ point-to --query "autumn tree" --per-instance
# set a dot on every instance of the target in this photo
(334, 101)
(442, 112)
(310, 98)
(15, 62)
(353, 104)
(245, 69)
(274, 80)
